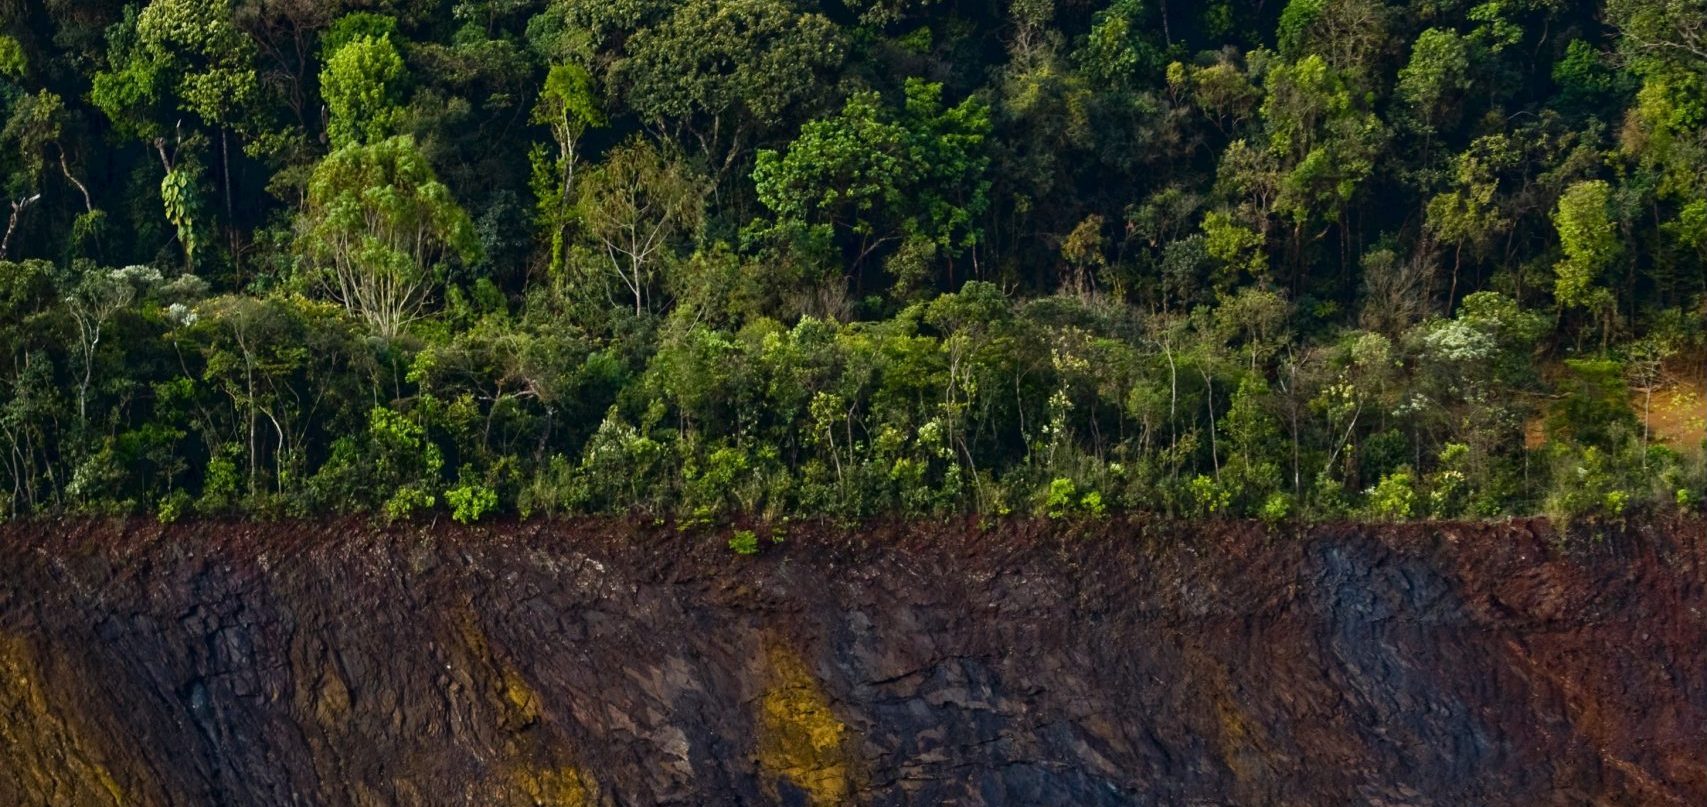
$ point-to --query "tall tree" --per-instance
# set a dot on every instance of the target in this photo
(378, 230)
(637, 207)
(869, 179)
(1588, 236)
(362, 85)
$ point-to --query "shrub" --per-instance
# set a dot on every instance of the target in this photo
(219, 483)
(720, 483)
(1208, 497)
(1276, 509)
(1589, 481)
(393, 464)
(173, 506)
(744, 543)
(406, 501)
(1394, 498)
(1447, 486)
(1058, 503)
(1091, 504)
(471, 502)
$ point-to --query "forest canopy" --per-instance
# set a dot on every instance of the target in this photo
(708, 259)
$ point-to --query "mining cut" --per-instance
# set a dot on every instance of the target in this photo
(1028, 662)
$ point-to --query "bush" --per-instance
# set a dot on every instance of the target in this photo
(1058, 503)
(1448, 486)
(720, 483)
(406, 501)
(1208, 497)
(1394, 498)
(392, 465)
(471, 502)
(1589, 481)
(1596, 409)
(1091, 504)
(1064, 500)
(744, 543)
(173, 506)
(219, 482)
(550, 489)
(1278, 508)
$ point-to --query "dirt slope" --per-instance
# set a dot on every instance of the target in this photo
(600, 663)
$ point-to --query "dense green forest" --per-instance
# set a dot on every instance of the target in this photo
(704, 258)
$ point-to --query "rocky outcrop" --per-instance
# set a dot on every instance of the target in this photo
(596, 662)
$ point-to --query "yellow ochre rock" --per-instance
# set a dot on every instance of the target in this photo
(41, 747)
(800, 739)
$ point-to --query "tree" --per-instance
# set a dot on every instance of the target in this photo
(30, 403)
(206, 59)
(635, 207)
(1664, 43)
(1430, 84)
(1588, 236)
(98, 296)
(869, 178)
(23, 182)
(1467, 214)
(1644, 364)
(568, 107)
(377, 230)
(721, 72)
(180, 56)
(1325, 140)
(1347, 34)
(1673, 31)
(1253, 468)
(362, 86)
(1117, 51)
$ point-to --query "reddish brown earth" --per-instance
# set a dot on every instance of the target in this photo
(602, 663)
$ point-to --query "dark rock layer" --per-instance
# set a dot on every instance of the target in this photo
(599, 663)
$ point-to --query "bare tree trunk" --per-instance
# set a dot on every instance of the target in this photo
(225, 169)
(1457, 262)
(233, 236)
(1214, 449)
(18, 208)
(65, 168)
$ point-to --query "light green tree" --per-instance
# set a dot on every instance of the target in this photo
(1588, 236)
(172, 57)
(1118, 49)
(1467, 214)
(362, 85)
(176, 55)
(378, 229)
(1431, 82)
(568, 107)
(1325, 138)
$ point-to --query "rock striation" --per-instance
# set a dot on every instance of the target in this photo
(601, 662)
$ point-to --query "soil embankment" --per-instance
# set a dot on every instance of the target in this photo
(596, 662)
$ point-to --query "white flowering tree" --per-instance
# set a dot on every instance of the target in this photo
(98, 295)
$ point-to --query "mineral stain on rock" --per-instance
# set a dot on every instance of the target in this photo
(42, 751)
(601, 663)
(801, 743)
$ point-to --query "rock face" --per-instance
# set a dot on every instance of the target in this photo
(597, 662)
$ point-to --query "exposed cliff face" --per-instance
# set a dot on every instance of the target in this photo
(593, 663)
